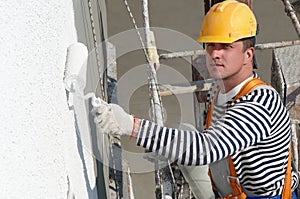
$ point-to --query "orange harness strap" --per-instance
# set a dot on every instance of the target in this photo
(237, 191)
(287, 187)
(247, 88)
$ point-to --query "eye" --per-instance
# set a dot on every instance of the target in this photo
(210, 44)
(228, 46)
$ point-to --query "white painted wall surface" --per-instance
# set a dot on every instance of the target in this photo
(40, 156)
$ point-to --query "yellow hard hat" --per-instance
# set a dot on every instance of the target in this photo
(227, 22)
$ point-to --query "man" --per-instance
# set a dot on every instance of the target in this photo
(248, 131)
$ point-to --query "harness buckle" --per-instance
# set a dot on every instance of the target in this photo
(234, 178)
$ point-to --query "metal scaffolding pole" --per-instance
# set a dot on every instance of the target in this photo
(291, 13)
(202, 52)
(162, 175)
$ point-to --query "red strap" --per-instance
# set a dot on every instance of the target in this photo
(135, 128)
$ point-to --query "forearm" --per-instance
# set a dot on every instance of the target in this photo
(176, 145)
(222, 139)
(241, 127)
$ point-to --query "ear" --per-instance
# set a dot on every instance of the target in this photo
(249, 53)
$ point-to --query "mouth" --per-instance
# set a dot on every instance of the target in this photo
(216, 65)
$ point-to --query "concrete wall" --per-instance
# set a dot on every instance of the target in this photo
(40, 153)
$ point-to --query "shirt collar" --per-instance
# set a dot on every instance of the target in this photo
(225, 97)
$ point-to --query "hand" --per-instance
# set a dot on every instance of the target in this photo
(112, 119)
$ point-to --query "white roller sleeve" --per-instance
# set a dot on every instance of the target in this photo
(76, 66)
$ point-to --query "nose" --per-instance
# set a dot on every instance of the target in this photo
(214, 51)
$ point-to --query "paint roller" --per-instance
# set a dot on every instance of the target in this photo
(75, 72)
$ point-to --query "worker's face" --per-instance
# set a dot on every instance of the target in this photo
(227, 60)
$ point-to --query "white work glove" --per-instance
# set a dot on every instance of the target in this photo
(112, 119)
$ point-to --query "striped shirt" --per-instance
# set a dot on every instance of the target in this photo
(254, 130)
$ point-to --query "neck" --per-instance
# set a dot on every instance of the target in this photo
(229, 83)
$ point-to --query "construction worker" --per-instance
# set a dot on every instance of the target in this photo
(246, 142)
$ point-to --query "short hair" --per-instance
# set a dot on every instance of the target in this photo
(248, 43)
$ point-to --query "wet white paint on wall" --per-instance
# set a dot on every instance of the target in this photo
(39, 151)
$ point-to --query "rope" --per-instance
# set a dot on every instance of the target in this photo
(291, 13)
(164, 176)
(98, 60)
(137, 30)
(152, 79)
(114, 174)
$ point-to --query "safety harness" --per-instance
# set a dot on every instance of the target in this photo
(237, 191)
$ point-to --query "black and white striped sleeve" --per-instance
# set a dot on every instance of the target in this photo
(246, 123)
